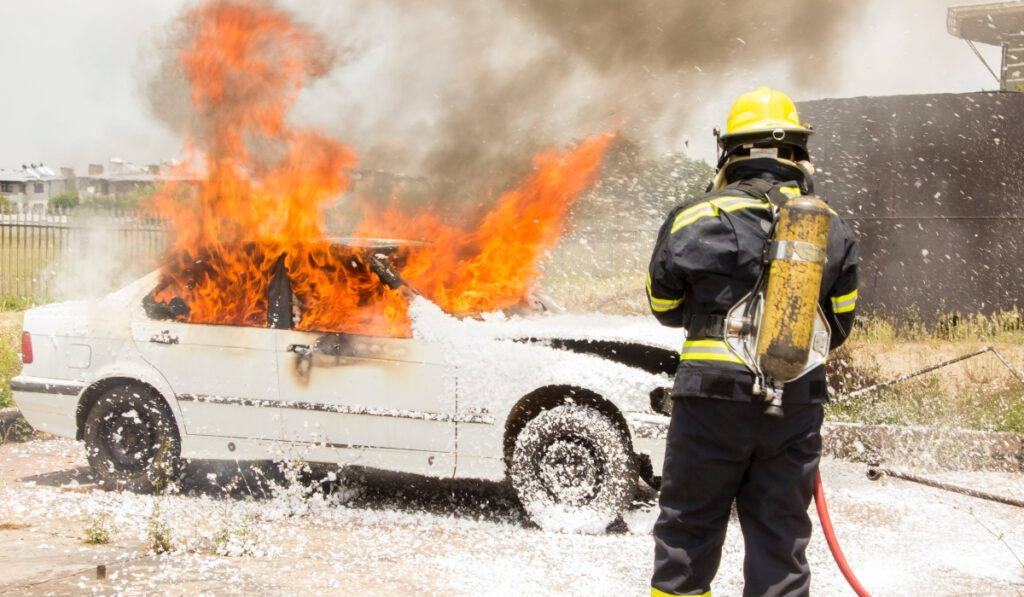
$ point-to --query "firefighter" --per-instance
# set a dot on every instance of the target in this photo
(725, 445)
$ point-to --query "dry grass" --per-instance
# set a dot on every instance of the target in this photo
(976, 393)
(896, 358)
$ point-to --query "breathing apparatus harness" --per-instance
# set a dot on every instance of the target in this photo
(778, 329)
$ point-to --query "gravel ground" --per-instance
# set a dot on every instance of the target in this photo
(384, 534)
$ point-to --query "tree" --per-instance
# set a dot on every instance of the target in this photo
(65, 200)
(128, 199)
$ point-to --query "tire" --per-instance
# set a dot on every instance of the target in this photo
(573, 470)
(131, 440)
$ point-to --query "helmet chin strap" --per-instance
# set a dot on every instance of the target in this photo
(801, 171)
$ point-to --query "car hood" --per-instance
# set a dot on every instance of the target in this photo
(592, 327)
(429, 321)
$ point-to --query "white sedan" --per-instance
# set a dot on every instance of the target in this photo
(565, 406)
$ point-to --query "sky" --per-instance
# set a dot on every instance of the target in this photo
(75, 76)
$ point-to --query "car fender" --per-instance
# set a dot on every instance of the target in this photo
(526, 367)
(135, 369)
(527, 371)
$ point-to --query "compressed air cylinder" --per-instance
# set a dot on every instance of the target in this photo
(797, 257)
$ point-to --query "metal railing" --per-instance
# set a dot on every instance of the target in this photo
(45, 256)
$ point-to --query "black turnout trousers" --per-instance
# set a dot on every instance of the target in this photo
(718, 449)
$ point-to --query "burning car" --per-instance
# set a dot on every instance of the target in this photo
(561, 405)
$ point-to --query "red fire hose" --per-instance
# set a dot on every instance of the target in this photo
(830, 537)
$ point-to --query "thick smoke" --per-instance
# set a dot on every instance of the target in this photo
(465, 92)
(664, 36)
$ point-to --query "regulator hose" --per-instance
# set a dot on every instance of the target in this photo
(830, 537)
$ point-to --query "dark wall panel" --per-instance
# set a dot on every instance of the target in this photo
(934, 187)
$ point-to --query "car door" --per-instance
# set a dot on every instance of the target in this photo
(377, 401)
(224, 377)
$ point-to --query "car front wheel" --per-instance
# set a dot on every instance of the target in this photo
(573, 470)
(131, 440)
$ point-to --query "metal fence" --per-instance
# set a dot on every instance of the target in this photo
(67, 254)
(83, 253)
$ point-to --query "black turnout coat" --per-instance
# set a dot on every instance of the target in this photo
(708, 256)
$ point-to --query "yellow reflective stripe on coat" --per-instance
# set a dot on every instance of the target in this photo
(692, 214)
(708, 350)
(712, 207)
(657, 593)
(661, 305)
(790, 191)
(845, 303)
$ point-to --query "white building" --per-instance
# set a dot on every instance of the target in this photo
(116, 178)
(30, 187)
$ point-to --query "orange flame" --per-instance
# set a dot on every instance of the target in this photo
(260, 199)
(494, 265)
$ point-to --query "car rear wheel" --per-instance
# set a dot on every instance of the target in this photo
(131, 440)
(573, 470)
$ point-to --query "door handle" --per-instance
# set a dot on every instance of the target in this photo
(300, 349)
(164, 337)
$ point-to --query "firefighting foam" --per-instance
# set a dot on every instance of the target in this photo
(264, 185)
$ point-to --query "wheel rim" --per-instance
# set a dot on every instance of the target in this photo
(128, 440)
(570, 470)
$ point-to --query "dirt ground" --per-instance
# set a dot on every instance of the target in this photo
(394, 534)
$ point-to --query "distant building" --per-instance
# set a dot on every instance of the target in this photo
(30, 187)
(118, 178)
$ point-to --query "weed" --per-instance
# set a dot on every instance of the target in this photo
(294, 496)
(99, 530)
(237, 537)
(166, 476)
(998, 408)
(10, 360)
(17, 303)
(18, 431)
(159, 532)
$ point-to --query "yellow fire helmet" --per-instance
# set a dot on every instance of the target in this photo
(763, 110)
(762, 118)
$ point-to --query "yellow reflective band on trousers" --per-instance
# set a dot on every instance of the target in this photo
(713, 206)
(845, 303)
(708, 350)
(657, 593)
(661, 305)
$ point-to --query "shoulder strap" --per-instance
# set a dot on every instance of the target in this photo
(755, 187)
(776, 192)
